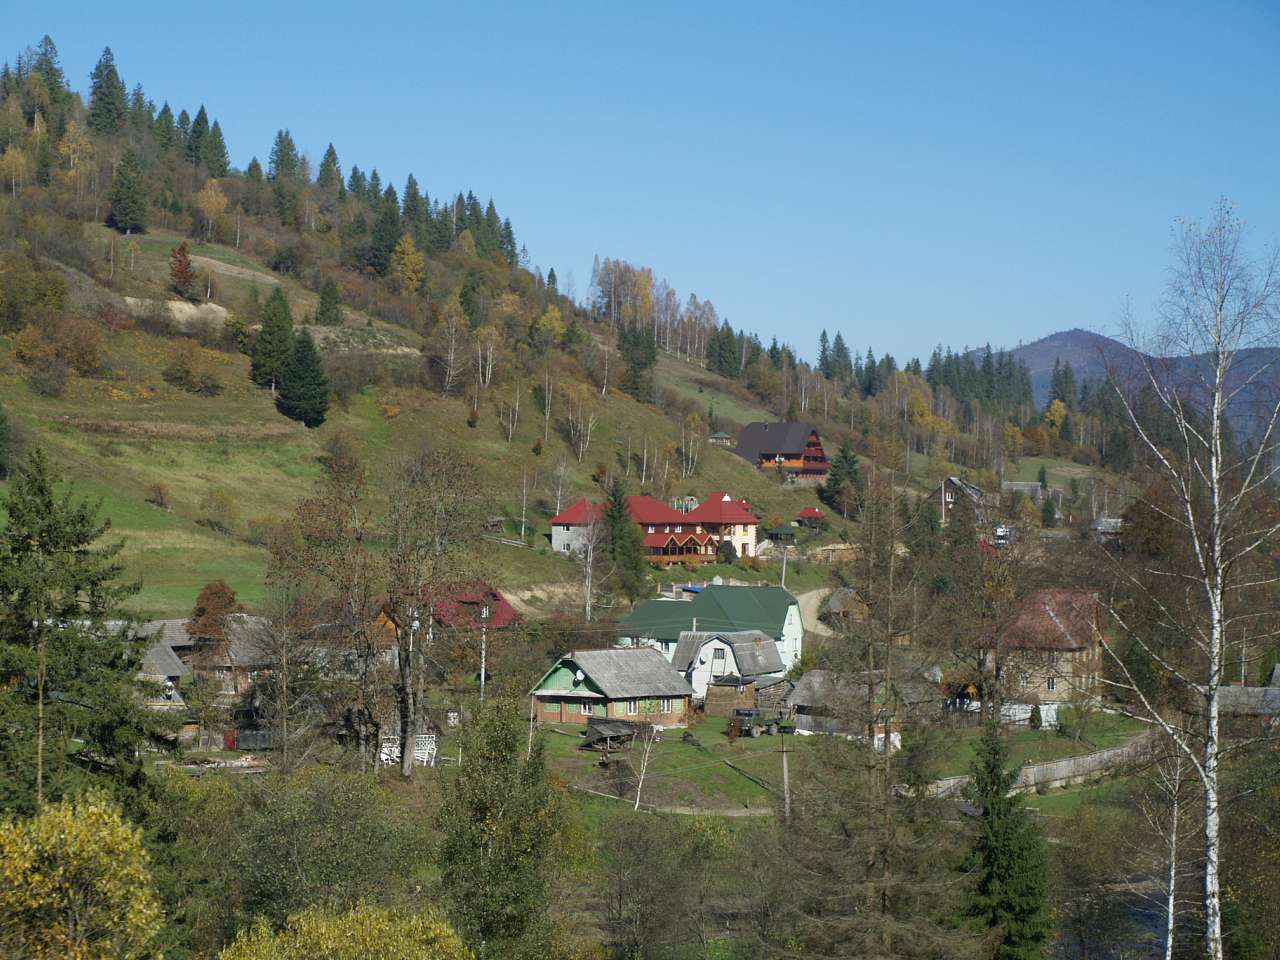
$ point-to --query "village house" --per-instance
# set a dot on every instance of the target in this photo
(864, 706)
(468, 606)
(953, 491)
(635, 684)
(720, 439)
(789, 447)
(728, 694)
(161, 667)
(1052, 654)
(702, 657)
(811, 517)
(670, 536)
(718, 608)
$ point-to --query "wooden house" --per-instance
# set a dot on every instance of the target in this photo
(789, 447)
(955, 493)
(725, 695)
(636, 684)
(720, 439)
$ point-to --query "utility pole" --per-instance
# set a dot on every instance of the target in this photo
(484, 645)
(786, 780)
(784, 565)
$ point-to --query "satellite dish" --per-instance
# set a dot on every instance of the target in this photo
(579, 677)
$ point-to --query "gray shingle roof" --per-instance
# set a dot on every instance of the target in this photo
(630, 672)
(1252, 701)
(755, 652)
(160, 661)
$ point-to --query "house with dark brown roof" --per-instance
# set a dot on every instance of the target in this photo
(789, 447)
(1053, 653)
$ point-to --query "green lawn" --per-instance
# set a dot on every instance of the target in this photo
(684, 774)
(1039, 746)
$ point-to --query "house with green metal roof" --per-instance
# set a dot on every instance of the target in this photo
(722, 609)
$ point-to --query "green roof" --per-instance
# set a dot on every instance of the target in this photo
(716, 608)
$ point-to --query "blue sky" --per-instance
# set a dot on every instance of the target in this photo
(907, 176)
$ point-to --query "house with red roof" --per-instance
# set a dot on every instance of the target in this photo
(669, 535)
(811, 517)
(468, 605)
(1053, 653)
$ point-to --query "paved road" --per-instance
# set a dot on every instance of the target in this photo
(810, 604)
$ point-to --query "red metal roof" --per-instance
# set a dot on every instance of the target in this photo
(645, 509)
(810, 513)
(578, 514)
(719, 507)
(463, 608)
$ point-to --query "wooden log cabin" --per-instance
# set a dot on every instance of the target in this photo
(789, 446)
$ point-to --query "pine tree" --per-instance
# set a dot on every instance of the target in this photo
(197, 137)
(304, 389)
(552, 284)
(182, 128)
(128, 212)
(216, 159)
(1009, 858)
(78, 666)
(106, 96)
(386, 234)
(1048, 513)
(841, 361)
(824, 355)
(624, 544)
(357, 183)
(274, 346)
(165, 130)
(329, 312)
(182, 275)
(283, 163)
(373, 190)
(329, 176)
(843, 489)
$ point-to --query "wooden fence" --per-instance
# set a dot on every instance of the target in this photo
(1058, 773)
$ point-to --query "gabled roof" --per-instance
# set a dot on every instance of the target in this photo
(661, 539)
(810, 513)
(757, 439)
(972, 491)
(626, 673)
(579, 513)
(719, 507)
(716, 608)
(755, 653)
(1252, 701)
(1057, 619)
(159, 660)
(462, 608)
(645, 509)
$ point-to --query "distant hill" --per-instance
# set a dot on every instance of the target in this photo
(1087, 352)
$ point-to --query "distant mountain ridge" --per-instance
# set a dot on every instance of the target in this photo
(1091, 353)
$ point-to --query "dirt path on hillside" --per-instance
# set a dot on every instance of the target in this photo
(810, 605)
(217, 266)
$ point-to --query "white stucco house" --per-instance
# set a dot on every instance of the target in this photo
(706, 656)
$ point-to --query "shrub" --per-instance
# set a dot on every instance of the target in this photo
(473, 418)
(537, 447)
(158, 495)
(32, 348)
(1035, 721)
(218, 511)
(726, 552)
(48, 378)
(188, 369)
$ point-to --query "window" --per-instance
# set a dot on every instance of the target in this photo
(679, 528)
(632, 708)
(651, 528)
(665, 706)
(666, 647)
(717, 662)
(1025, 680)
(1052, 683)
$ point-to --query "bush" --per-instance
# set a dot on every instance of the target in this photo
(48, 378)
(32, 348)
(157, 494)
(79, 343)
(726, 552)
(218, 511)
(188, 369)
(1035, 721)
(364, 932)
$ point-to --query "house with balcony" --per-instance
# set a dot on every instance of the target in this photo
(789, 447)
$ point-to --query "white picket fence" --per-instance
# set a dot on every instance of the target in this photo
(424, 750)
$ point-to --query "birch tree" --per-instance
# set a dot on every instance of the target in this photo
(1202, 382)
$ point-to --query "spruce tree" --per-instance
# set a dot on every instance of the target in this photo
(329, 176)
(74, 674)
(843, 488)
(386, 234)
(216, 159)
(552, 283)
(106, 96)
(329, 312)
(357, 183)
(1009, 859)
(165, 129)
(624, 544)
(182, 128)
(182, 275)
(274, 345)
(197, 137)
(283, 164)
(304, 389)
(824, 354)
(128, 211)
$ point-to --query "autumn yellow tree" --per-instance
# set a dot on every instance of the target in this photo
(1054, 416)
(74, 883)
(361, 934)
(212, 203)
(407, 264)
